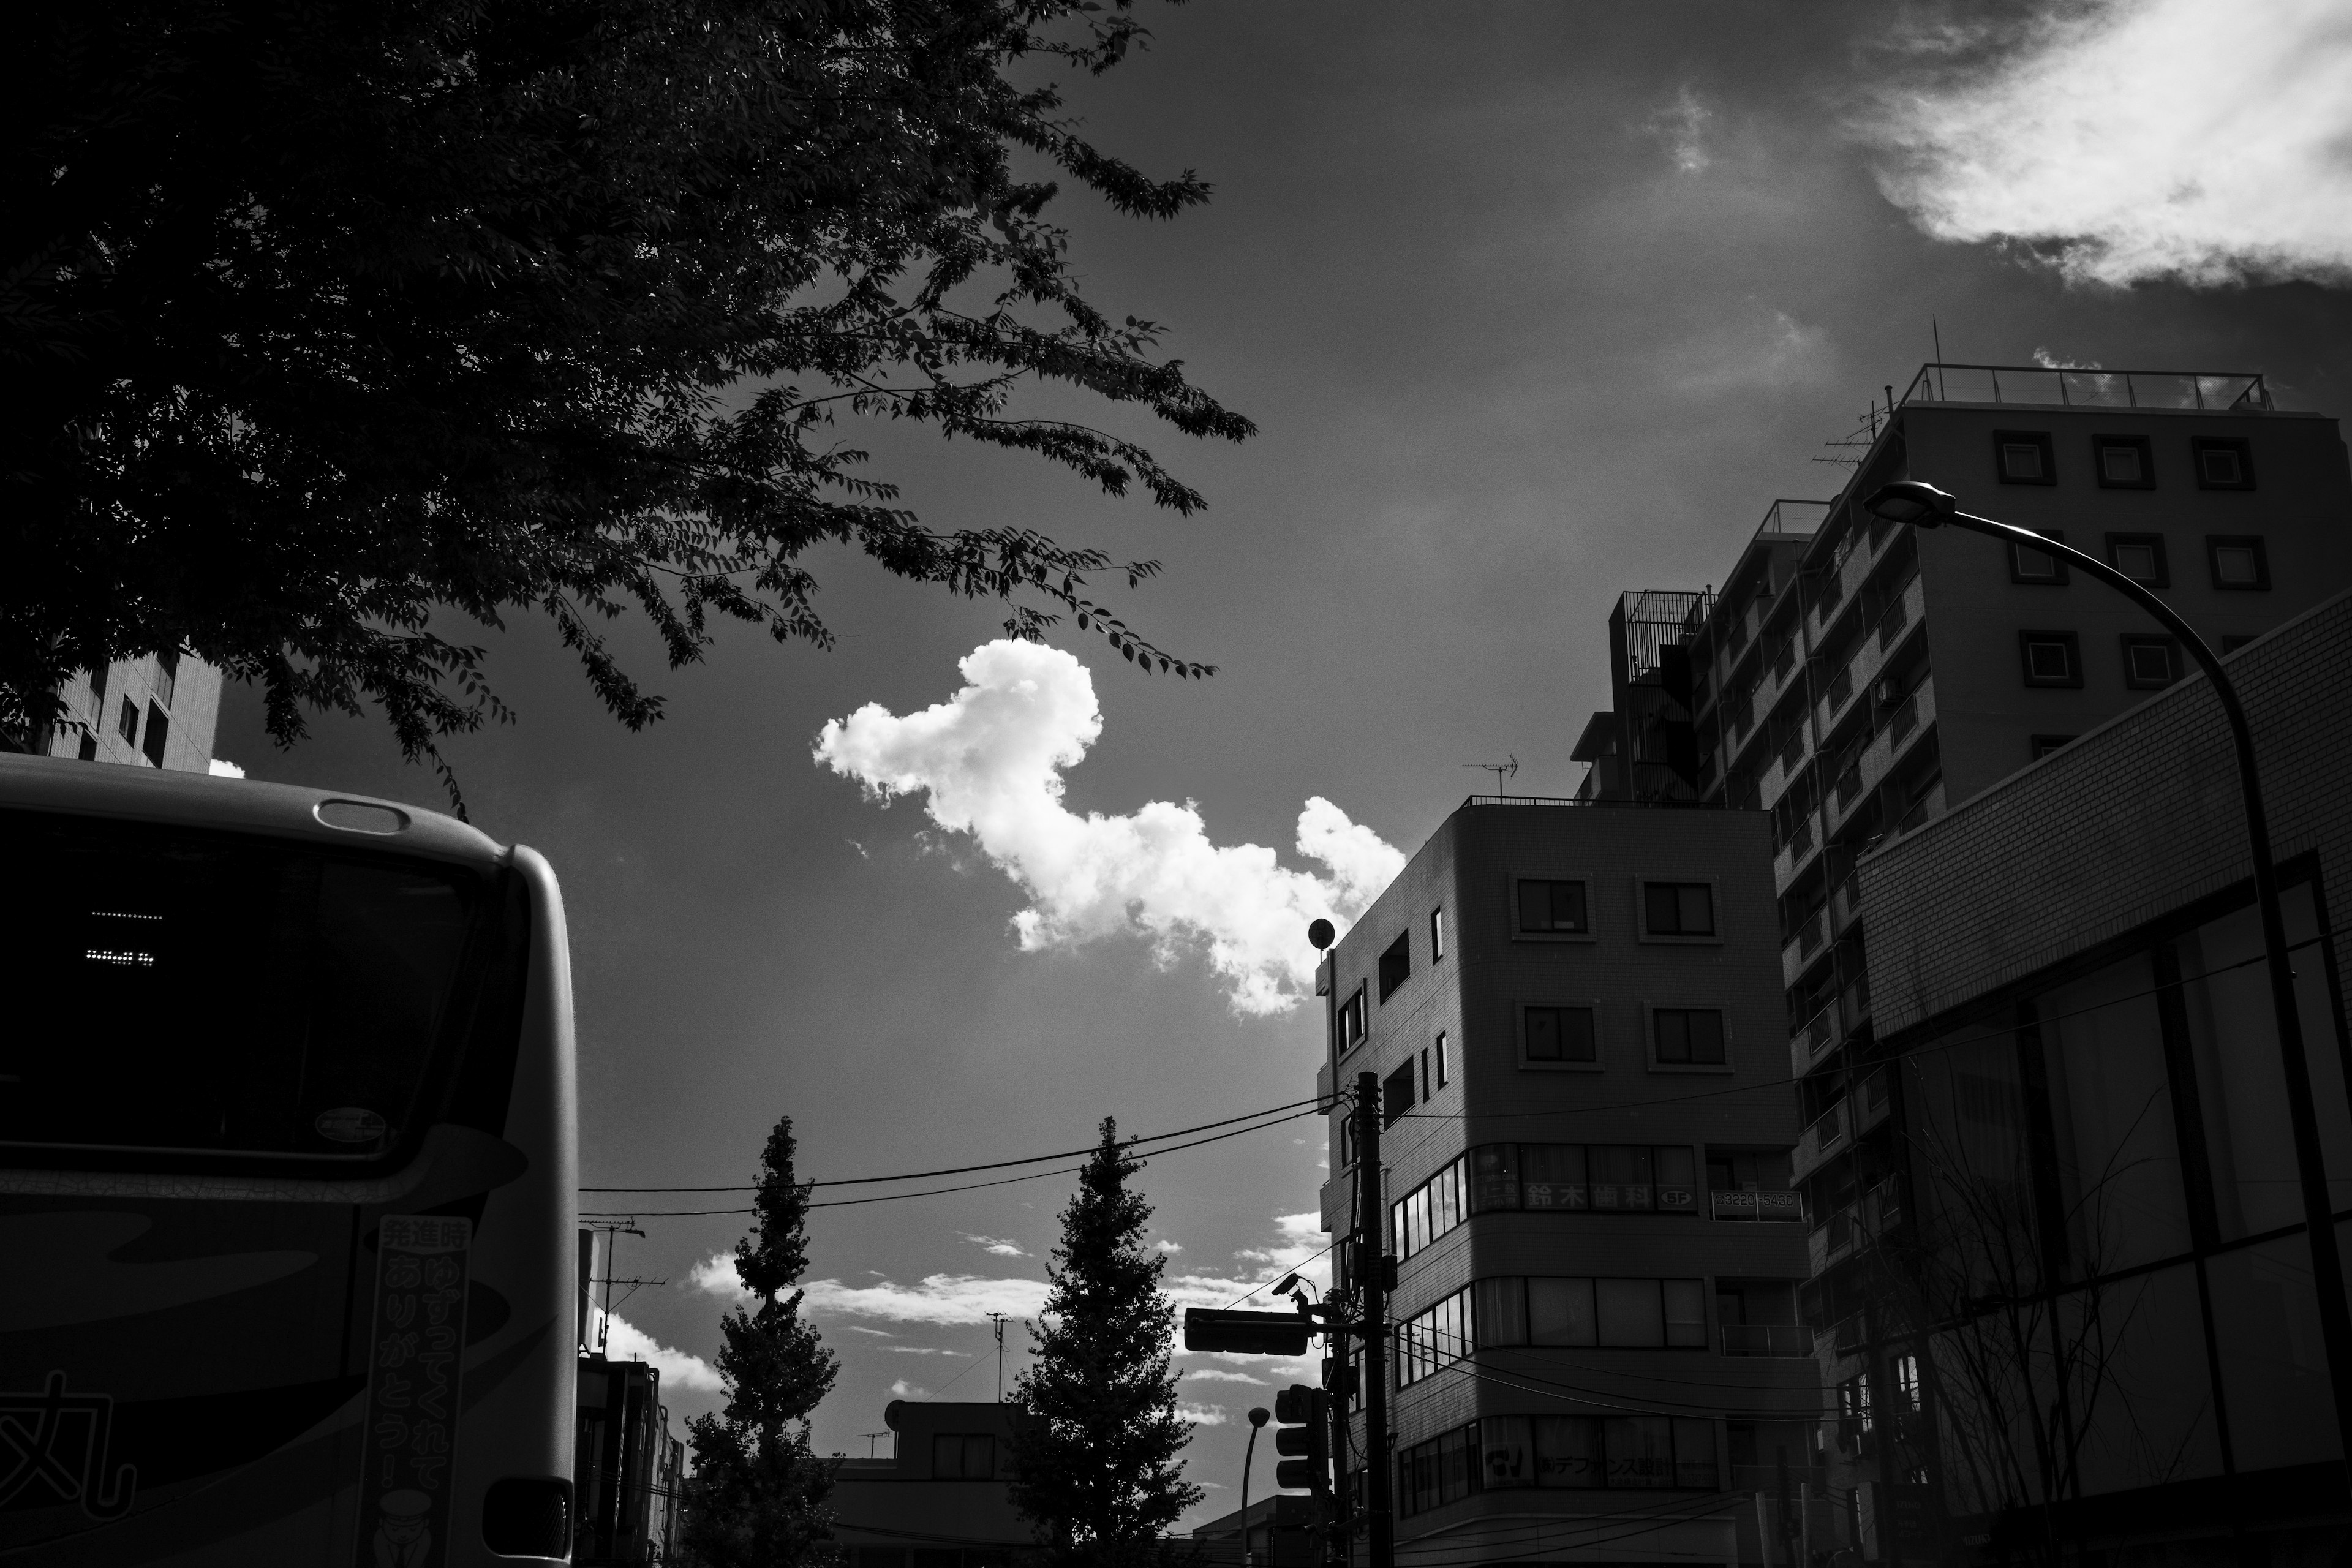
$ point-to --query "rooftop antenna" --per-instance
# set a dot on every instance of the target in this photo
(871, 1438)
(1500, 770)
(998, 1319)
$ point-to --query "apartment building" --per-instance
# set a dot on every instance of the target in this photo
(943, 1495)
(1855, 680)
(2099, 1157)
(1574, 1010)
(159, 711)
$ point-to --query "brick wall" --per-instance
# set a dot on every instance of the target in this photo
(2136, 819)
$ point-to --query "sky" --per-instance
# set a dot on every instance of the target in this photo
(1531, 304)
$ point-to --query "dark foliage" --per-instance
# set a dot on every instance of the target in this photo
(322, 319)
(757, 1498)
(1096, 1466)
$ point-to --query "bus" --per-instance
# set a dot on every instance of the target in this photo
(288, 1161)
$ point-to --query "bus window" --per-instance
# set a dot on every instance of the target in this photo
(223, 994)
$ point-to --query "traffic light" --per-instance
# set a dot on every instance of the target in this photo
(1247, 1333)
(1304, 1435)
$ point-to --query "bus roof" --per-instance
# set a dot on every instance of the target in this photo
(239, 806)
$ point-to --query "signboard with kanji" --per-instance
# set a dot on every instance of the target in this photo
(413, 1362)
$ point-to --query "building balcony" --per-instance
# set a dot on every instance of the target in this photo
(1826, 1138)
(1815, 1040)
(1785, 765)
(1845, 905)
(1798, 853)
(1798, 954)
(1860, 669)
(1873, 1100)
(1767, 1339)
(1768, 1205)
(1860, 547)
(1868, 1218)
(1898, 730)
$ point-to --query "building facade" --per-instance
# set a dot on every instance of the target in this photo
(941, 1499)
(1855, 680)
(626, 1466)
(2097, 1158)
(1574, 1012)
(159, 711)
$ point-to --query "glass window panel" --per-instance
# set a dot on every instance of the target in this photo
(2121, 464)
(1502, 1304)
(1685, 1304)
(1694, 1454)
(1640, 1450)
(2111, 1103)
(1659, 900)
(1560, 1312)
(979, 1457)
(1705, 1031)
(1543, 1033)
(1678, 1179)
(1672, 1027)
(1568, 1451)
(1510, 1457)
(1552, 1175)
(1567, 905)
(2021, 460)
(1534, 906)
(1629, 1314)
(946, 1457)
(1695, 909)
(1496, 1176)
(1621, 1176)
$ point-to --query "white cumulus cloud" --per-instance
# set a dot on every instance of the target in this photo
(1200, 1415)
(989, 761)
(627, 1342)
(997, 1244)
(1218, 1374)
(222, 768)
(906, 1390)
(949, 1300)
(2132, 140)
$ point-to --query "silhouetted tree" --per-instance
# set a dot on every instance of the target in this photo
(1097, 1468)
(326, 324)
(757, 1498)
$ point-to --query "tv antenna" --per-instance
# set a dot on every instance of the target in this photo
(1500, 770)
(872, 1438)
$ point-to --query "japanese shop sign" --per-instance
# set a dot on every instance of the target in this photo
(413, 1360)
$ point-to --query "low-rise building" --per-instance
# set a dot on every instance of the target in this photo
(627, 1467)
(941, 1499)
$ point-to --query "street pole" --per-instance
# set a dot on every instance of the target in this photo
(1934, 507)
(1258, 1416)
(1371, 1265)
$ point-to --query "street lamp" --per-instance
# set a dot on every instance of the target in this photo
(1258, 1416)
(1924, 506)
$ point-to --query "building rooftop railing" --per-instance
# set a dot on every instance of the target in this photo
(2089, 386)
(1787, 518)
(1582, 800)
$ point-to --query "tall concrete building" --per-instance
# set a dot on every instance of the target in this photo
(159, 711)
(1856, 681)
(1575, 1014)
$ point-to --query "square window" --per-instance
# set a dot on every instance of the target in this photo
(1678, 909)
(1686, 1036)
(2044, 744)
(126, 723)
(1396, 963)
(2051, 658)
(2150, 663)
(2125, 462)
(2223, 463)
(2025, 457)
(2238, 561)
(1560, 1034)
(2140, 557)
(1553, 908)
(2038, 567)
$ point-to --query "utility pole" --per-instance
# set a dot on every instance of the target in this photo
(1372, 1264)
(998, 1319)
(613, 1230)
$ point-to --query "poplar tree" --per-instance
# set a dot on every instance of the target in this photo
(757, 1495)
(1096, 1466)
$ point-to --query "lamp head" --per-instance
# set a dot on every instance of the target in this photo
(1914, 501)
(1259, 1415)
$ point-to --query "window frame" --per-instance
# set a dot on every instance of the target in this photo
(2200, 444)
(1401, 951)
(2073, 646)
(2002, 440)
(2132, 642)
(1437, 932)
(1519, 1020)
(2141, 444)
(1512, 914)
(2048, 745)
(2058, 577)
(1357, 1006)
(1642, 883)
(1650, 1012)
(2119, 541)
(1443, 1046)
(2217, 542)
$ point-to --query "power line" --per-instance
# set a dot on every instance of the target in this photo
(993, 1165)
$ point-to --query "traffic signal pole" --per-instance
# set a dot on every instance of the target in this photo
(1371, 1266)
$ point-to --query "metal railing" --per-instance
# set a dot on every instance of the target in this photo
(1583, 801)
(2089, 386)
(1767, 1339)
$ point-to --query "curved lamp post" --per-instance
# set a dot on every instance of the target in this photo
(1925, 506)
(1258, 1416)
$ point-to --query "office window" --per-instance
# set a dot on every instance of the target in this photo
(1552, 1176)
(2140, 557)
(2124, 462)
(2043, 745)
(2025, 457)
(1686, 1036)
(1553, 908)
(1444, 1469)
(2049, 659)
(1557, 1034)
(1676, 1169)
(126, 723)
(1445, 1067)
(2038, 568)
(1430, 1341)
(2238, 561)
(1595, 1451)
(1396, 1094)
(1621, 1176)
(2150, 662)
(1678, 909)
(159, 728)
(167, 676)
(1430, 1210)
(1436, 935)
(963, 1456)
(1348, 1020)
(1395, 964)
(1628, 1313)
(2222, 463)
(1424, 1074)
